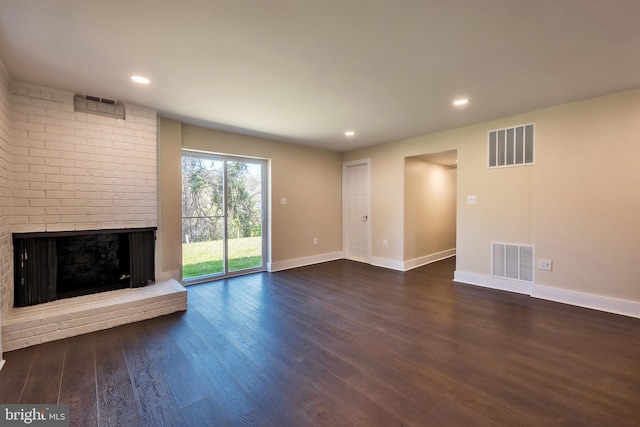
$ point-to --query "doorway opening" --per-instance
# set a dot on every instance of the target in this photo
(224, 216)
(430, 204)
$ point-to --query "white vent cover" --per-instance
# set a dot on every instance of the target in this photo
(511, 146)
(512, 261)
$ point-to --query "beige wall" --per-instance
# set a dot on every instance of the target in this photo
(386, 199)
(586, 207)
(503, 209)
(577, 204)
(169, 234)
(309, 178)
(429, 208)
(501, 212)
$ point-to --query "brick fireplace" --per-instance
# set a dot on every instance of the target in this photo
(55, 265)
(71, 171)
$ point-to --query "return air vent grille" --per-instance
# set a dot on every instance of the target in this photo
(100, 106)
(512, 261)
(511, 146)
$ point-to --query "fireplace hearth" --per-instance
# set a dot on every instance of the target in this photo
(54, 265)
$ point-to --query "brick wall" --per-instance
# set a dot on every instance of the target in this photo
(74, 171)
(78, 171)
(6, 256)
(62, 170)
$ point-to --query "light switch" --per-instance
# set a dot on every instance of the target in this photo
(283, 201)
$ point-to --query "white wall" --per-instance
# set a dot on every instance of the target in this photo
(78, 171)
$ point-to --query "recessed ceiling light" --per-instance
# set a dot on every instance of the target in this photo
(349, 133)
(461, 101)
(141, 80)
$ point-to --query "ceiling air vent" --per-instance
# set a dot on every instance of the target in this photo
(100, 106)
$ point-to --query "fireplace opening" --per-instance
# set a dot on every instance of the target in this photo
(88, 264)
(52, 266)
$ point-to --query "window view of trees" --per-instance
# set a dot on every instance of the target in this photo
(244, 207)
(203, 183)
(202, 198)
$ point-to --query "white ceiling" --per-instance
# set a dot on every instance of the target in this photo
(305, 71)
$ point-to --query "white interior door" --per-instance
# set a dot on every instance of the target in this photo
(357, 215)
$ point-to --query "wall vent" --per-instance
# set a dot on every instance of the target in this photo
(512, 261)
(100, 106)
(511, 146)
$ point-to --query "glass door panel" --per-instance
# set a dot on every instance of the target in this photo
(202, 216)
(244, 215)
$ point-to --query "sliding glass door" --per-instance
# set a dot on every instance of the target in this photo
(223, 215)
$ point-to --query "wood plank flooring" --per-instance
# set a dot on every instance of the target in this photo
(345, 344)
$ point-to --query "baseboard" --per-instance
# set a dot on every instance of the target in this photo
(378, 262)
(2, 364)
(428, 259)
(387, 263)
(580, 299)
(517, 286)
(301, 262)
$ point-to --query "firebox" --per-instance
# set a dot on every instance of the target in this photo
(53, 265)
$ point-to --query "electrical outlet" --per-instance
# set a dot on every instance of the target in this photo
(385, 243)
(283, 201)
(472, 200)
(315, 240)
(545, 264)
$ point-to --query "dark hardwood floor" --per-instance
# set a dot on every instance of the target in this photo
(344, 343)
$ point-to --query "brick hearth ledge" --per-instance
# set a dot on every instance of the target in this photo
(27, 326)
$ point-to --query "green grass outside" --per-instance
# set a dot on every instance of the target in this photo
(205, 258)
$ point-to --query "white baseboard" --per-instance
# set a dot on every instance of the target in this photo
(428, 259)
(387, 263)
(378, 262)
(517, 286)
(301, 262)
(580, 299)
